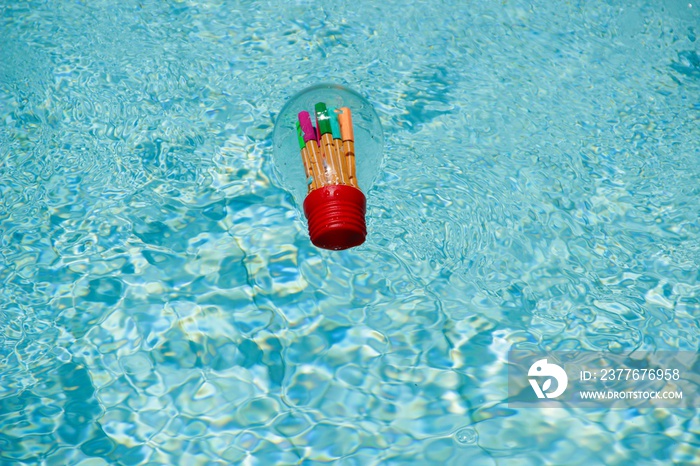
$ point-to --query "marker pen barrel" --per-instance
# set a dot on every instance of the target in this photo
(345, 121)
(318, 164)
(305, 159)
(316, 161)
(326, 143)
(338, 145)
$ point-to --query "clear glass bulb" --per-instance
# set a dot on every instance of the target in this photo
(368, 137)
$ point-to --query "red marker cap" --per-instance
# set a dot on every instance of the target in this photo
(336, 216)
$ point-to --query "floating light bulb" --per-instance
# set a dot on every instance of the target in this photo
(319, 163)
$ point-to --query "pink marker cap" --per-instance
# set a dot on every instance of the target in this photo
(307, 127)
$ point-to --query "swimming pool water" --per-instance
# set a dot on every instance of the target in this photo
(161, 302)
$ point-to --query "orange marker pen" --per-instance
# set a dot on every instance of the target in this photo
(345, 121)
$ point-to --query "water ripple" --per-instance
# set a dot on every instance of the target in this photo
(161, 301)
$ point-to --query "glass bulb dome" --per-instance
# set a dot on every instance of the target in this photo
(368, 137)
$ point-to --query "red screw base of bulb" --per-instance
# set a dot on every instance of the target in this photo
(336, 216)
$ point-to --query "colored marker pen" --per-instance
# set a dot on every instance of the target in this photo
(345, 121)
(326, 142)
(305, 159)
(318, 170)
(338, 145)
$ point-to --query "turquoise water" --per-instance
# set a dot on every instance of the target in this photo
(161, 302)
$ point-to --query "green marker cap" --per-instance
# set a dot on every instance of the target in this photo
(335, 127)
(300, 135)
(322, 119)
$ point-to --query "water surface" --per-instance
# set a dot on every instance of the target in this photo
(161, 302)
